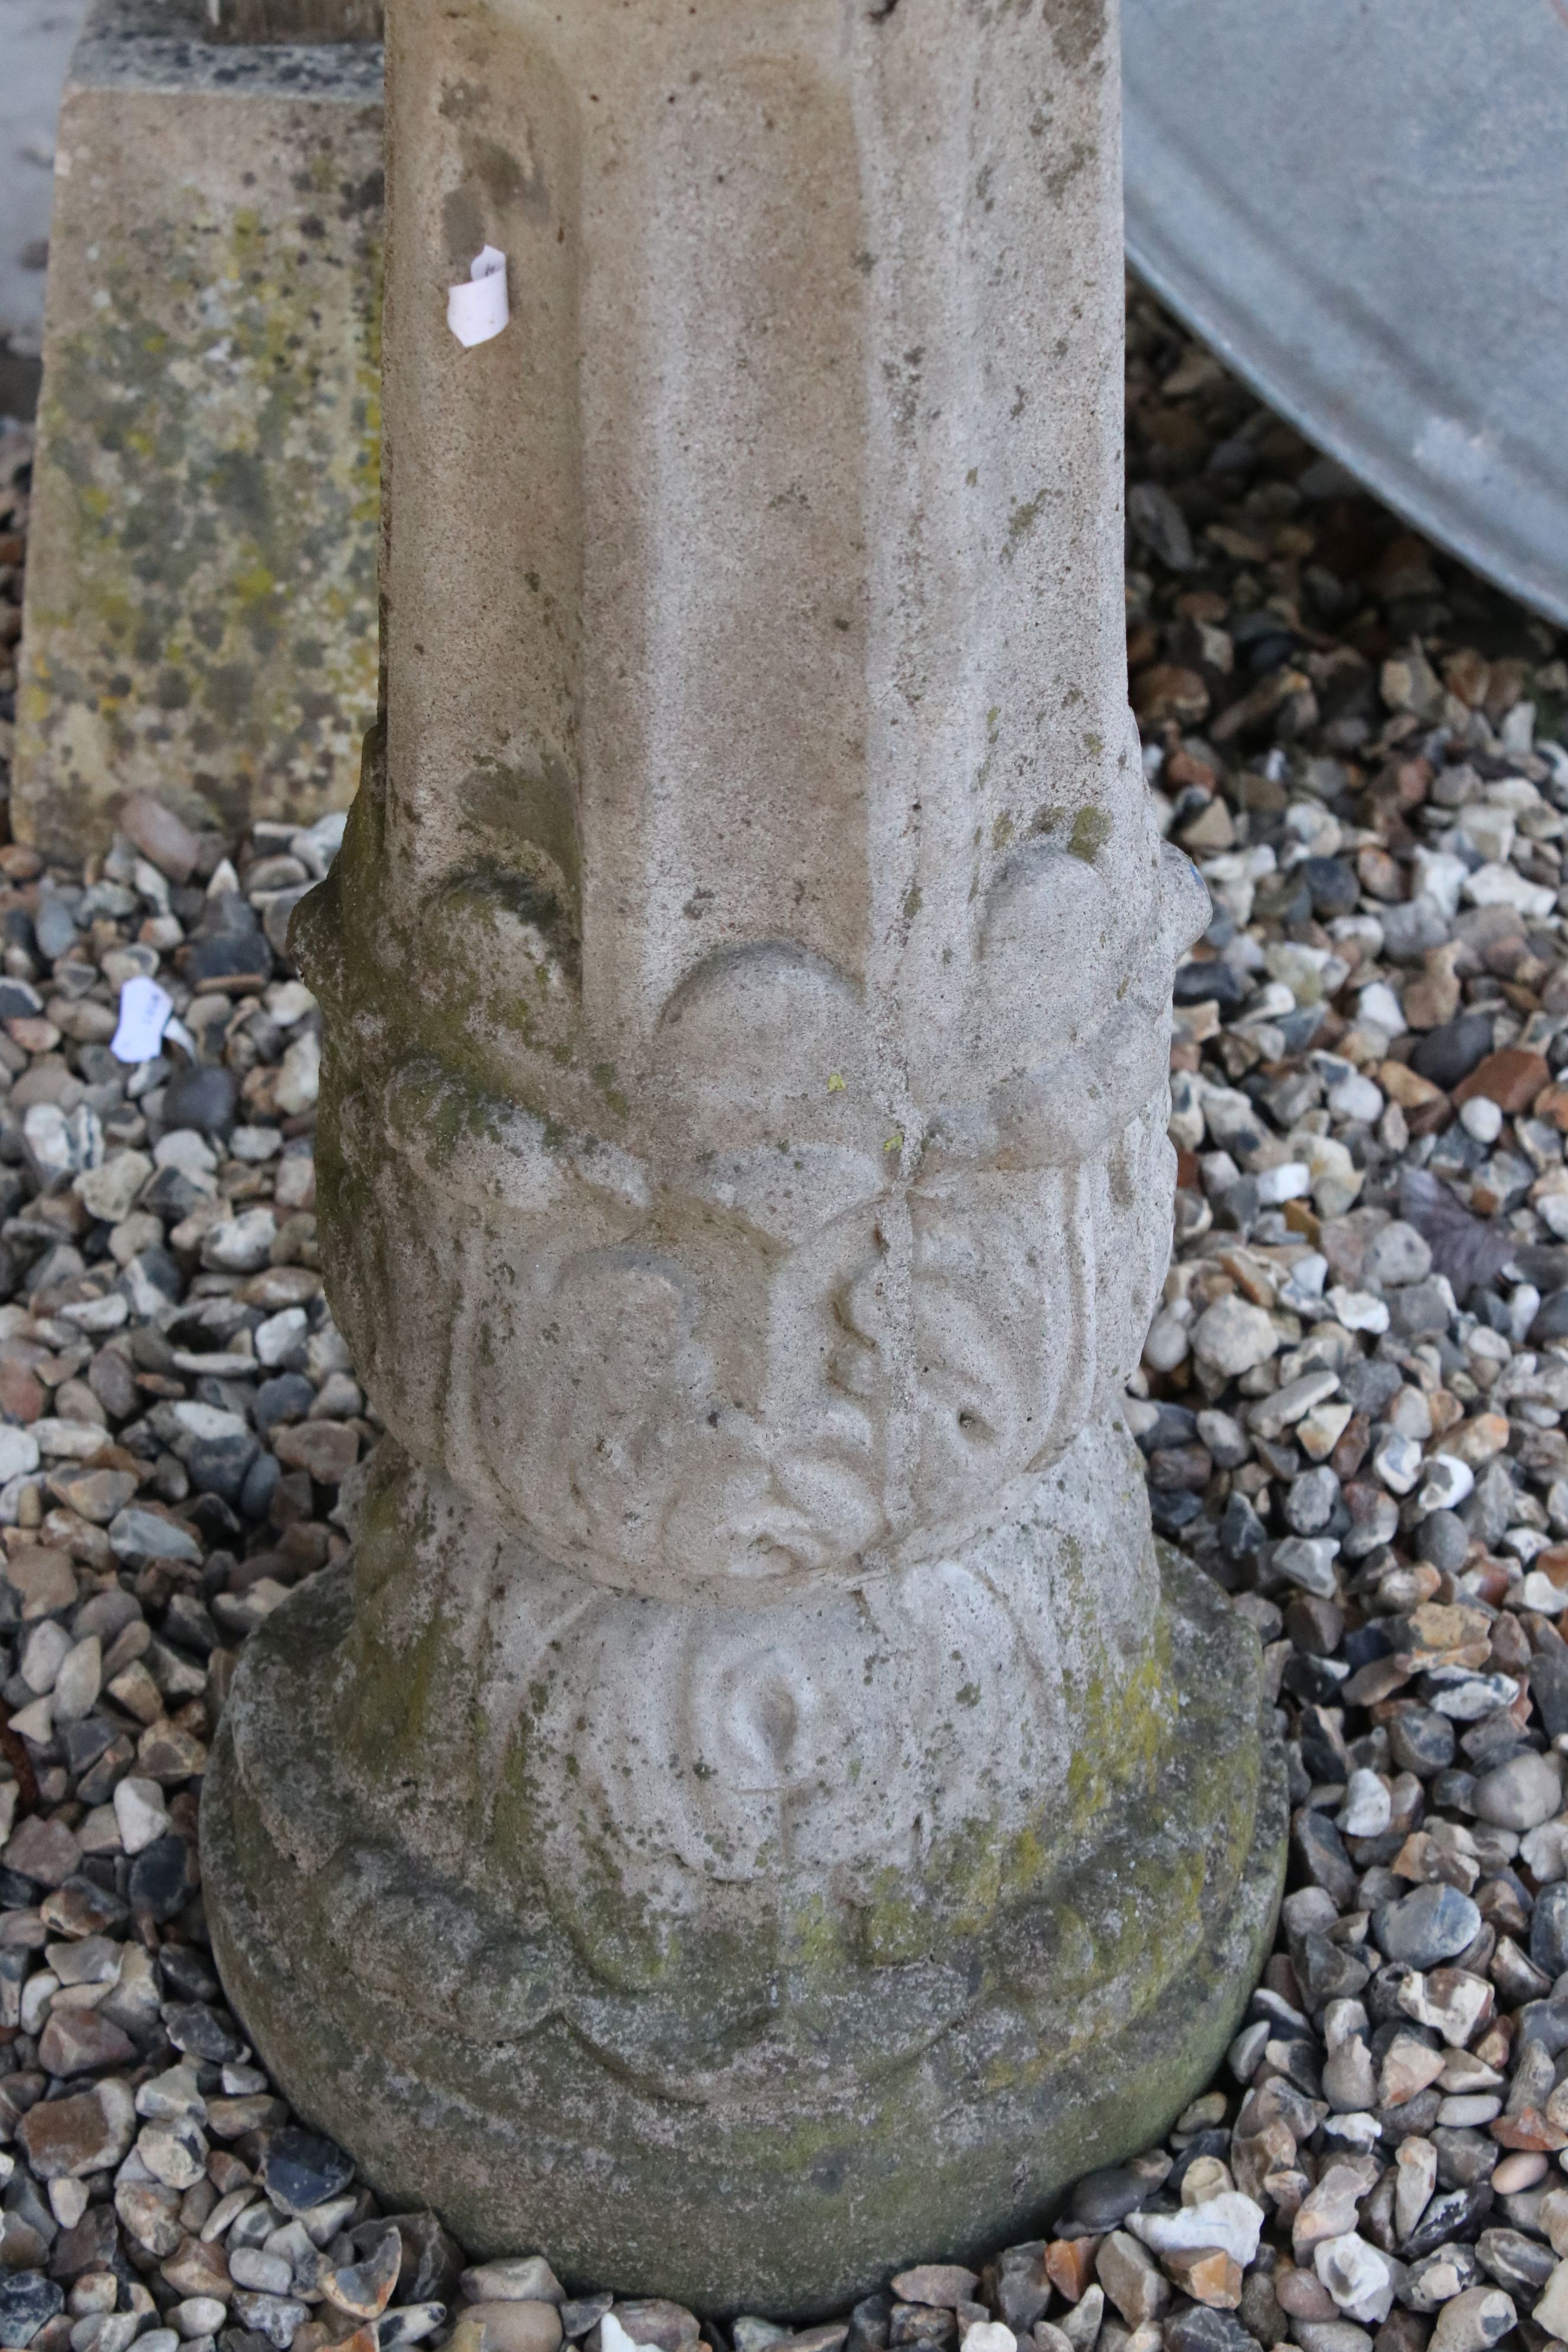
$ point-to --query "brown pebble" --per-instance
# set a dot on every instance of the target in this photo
(43, 1850)
(45, 1578)
(1208, 2275)
(66, 2139)
(195, 2269)
(80, 2042)
(21, 1392)
(1511, 1078)
(164, 839)
(317, 2335)
(1069, 2265)
(1520, 2171)
(328, 1450)
(1529, 2131)
(1303, 2296)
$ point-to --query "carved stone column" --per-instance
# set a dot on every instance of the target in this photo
(760, 1809)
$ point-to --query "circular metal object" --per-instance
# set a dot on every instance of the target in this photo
(1362, 206)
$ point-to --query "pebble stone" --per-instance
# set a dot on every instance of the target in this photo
(1357, 2277)
(512, 2326)
(1520, 1794)
(1473, 2320)
(1549, 1929)
(1434, 1924)
(1363, 984)
(1551, 2312)
(1351, 1404)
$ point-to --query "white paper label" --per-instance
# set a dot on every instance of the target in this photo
(144, 1010)
(477, 311)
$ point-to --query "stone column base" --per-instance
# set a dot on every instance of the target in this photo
(571, 1913)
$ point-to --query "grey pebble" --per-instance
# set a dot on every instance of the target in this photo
(1442, 1538)
(1308, 1561)
(1549, 1929)
(1450, 1052)
(1548, 1679)
(1396, 1255)
(1423, 1929)
(1310, 1501)
(1520, 1794)
(1103, 2200)
(1330, 2335)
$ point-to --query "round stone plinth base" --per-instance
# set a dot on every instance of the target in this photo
(772, 2097)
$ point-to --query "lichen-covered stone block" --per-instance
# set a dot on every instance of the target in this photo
(201, 589)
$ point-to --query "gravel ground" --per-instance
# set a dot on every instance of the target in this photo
(1349, 1406)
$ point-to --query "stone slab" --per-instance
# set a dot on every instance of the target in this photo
(201, 585)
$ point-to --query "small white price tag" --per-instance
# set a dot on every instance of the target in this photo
(144, 1011)
(477, 311)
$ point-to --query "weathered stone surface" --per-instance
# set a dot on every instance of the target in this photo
(201, 583)
(744, 1199)
(463, 1948)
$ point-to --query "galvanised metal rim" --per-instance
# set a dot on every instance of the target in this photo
(1362, 206)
